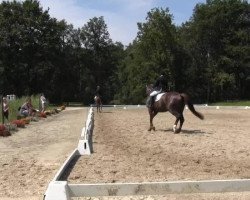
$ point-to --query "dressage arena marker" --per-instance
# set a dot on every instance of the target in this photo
(62, 190)
(59, 190)
(85, 144)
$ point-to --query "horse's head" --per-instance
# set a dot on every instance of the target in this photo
(149, 89)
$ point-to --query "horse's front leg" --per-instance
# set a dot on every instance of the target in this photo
(152, 115)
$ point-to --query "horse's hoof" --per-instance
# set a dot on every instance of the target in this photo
(153, 128)
(177, 131)
(149, 129)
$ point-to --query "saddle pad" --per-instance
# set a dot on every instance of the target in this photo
(158, 97)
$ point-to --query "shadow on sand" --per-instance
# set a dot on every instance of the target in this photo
(183, 131)
(70, 167)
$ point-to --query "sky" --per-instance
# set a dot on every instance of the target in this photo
(121, 16)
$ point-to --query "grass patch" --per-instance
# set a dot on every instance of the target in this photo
(231, 103)
(74, 104)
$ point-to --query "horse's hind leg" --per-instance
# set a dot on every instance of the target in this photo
(175, 124)
(179, 117)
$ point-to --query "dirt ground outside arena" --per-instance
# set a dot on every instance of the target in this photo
(30, 158)
(124, 151)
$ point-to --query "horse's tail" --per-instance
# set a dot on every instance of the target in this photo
(191, 106)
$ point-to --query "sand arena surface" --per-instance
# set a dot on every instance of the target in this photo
(124, 151)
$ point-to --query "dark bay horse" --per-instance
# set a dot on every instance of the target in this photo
(174, 103)
(98, 103)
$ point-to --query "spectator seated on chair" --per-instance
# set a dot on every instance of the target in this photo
(27, 109)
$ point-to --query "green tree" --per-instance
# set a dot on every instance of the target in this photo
(157, 41)
(37, 52)
(218, 38)
(103, 56)
(155, 51)
(29, 44)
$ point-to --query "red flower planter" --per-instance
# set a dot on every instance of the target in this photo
(19, 123)
(2, 127)
(42, 114)
(4, 133)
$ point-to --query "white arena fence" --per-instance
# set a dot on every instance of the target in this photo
(205, 106)
(62, 190)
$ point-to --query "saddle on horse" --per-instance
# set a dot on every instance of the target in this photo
(153, 97)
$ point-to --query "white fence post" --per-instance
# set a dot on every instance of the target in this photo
(57, 190)
(85, 143)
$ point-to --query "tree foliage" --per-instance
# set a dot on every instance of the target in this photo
(208, 56)
(41, 54)
(218, 38)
